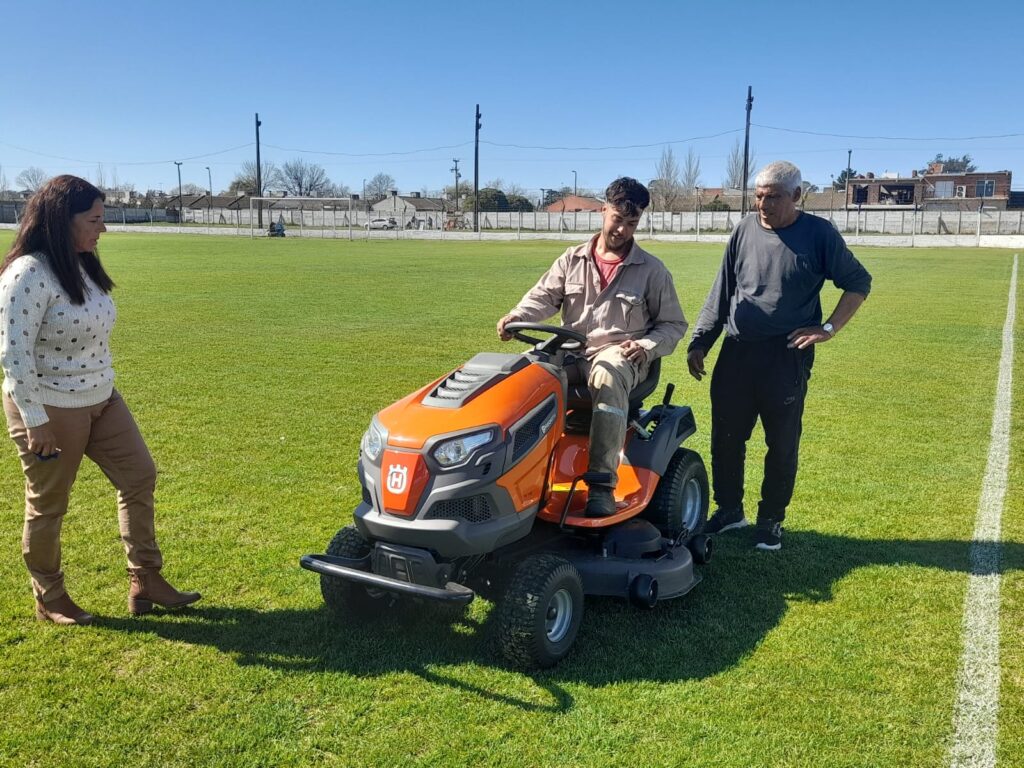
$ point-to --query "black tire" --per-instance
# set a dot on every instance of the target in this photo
(344, 598)
(540, 613)
(679, 507)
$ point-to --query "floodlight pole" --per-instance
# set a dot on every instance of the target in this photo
(181, 198)
(476, 173)
(259, 174)
(746, 151)
(574, 183)
(456, 170)
(209, 199)
(849, 156)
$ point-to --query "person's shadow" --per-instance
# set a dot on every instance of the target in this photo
(743, 596)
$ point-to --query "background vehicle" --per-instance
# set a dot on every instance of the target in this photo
(389, 223)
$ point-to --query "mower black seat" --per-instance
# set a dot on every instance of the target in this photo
(579, 394)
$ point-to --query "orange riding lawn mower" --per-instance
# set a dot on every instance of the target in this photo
(477, 484)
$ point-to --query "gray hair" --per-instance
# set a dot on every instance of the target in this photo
(781, 173)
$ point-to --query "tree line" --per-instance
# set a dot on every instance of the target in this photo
(674, 187)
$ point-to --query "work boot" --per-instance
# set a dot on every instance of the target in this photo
(600, 501)
(147, 586)
(62, 611)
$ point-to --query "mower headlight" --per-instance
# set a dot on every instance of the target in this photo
(456, 451)
(373, 442)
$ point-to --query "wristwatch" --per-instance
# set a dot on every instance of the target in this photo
(829, 329)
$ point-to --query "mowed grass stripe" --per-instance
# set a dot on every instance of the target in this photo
(254, 367)
(976, 718)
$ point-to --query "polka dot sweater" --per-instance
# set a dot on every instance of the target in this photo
(52, 352)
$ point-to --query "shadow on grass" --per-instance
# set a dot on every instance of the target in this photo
(743, 596)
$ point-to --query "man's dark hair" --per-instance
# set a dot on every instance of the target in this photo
(627, 195)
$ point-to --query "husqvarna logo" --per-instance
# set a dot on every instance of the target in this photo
(398, 476)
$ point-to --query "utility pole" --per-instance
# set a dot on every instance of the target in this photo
(457, 177)
(476, 174)
(849, 156)
(543, 196)
(259, 174)
(574, 183)
(181, 199)
(209, 197)
(746, 151)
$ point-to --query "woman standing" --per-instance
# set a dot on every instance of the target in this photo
(56, 316)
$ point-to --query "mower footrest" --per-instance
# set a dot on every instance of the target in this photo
(330, 566)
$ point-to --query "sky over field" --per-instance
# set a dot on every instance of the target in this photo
(119, 91)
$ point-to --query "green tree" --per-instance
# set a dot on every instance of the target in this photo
(953, 164)
(519, 203)
(491, 199)
(840, 182)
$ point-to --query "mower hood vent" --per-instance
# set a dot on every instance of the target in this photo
(478, 375)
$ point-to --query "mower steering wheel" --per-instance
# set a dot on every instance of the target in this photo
(561, 338)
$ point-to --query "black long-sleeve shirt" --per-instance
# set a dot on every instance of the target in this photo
(770, 280)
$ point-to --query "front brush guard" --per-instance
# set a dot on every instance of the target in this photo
(353, 569)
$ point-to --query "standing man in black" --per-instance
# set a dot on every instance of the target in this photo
(766, 296)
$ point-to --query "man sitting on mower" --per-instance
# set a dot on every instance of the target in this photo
(623, 299)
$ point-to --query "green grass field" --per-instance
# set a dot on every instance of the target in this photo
(253, 367)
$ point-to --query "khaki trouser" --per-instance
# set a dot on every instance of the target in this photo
(108, 435)
(610, 378)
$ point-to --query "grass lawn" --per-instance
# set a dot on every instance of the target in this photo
(253, 367)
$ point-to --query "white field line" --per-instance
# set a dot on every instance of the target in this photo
(976, 717)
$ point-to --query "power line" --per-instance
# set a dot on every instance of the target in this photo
(892, 138)
(621, 146)
(366, 154)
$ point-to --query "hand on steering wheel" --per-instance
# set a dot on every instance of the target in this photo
(561, 338)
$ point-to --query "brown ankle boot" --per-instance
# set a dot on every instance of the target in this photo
(62, 611)
(147, 586)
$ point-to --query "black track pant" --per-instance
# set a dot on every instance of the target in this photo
(758, 379)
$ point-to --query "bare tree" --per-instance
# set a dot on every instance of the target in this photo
(380, 186)
(666, 188)
(734, 167)
(514, 190)
(32, 178)
(245, 179)
(303, 179)
(690, 177)
(189, 188)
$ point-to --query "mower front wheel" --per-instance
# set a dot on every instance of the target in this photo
(679, 507)
(540, 613)
(347, 599)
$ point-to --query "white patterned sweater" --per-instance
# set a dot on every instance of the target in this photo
(53, 352)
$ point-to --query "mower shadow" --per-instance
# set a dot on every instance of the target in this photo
(744, 595)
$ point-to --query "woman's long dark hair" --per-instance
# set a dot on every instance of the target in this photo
(46, 231)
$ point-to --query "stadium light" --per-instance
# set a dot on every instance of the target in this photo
(574, 183)
(209, 198)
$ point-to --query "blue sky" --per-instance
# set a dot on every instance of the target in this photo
(362, 88)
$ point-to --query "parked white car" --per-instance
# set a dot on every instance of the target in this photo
(389, 223)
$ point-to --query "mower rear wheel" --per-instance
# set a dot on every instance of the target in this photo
(679, 507)
(541, 611)
(345, 598)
